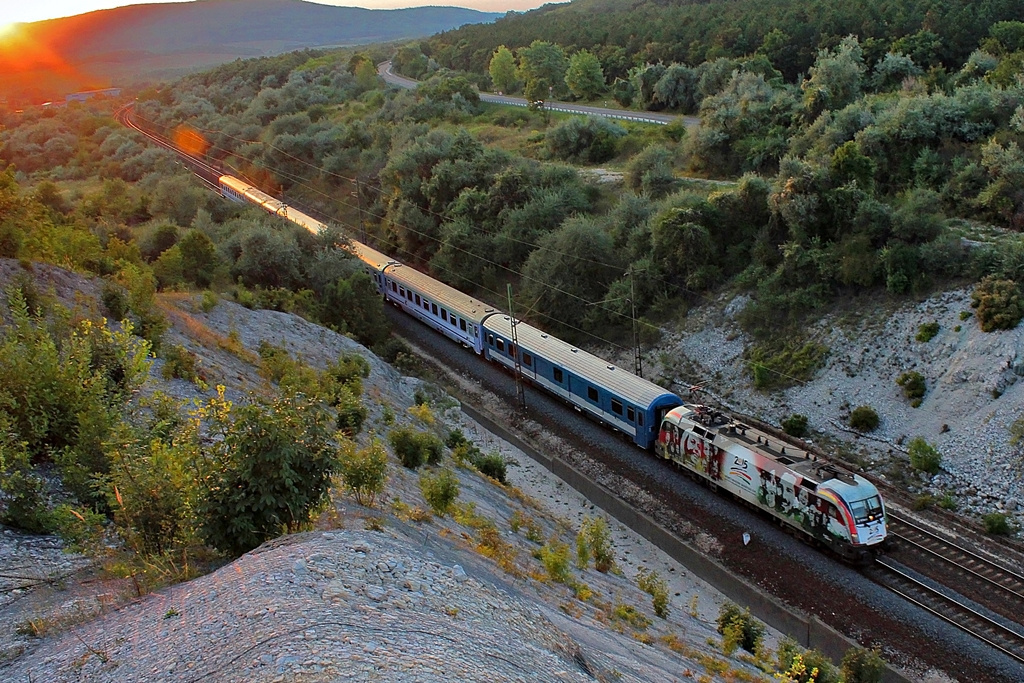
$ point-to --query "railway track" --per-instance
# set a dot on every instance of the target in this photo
(1004, 584)
(964, 572)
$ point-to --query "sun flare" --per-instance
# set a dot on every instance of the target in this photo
(7, 30)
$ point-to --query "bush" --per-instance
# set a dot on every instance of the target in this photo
(352, 412)
(998, 303)
(864, 419)
(795, 425)
(440, 490)
(776, 367)
(492, 465)
(589, 140)
(797, 666)
(923, 456)
(651, 583)
(594, 540)
(913, 386)
(997, 524)
(179, 363)
(554, 555)
(752, 630)
(269, 473)
(862, 666)
(115, 300)
(364, 471)
(927, 331)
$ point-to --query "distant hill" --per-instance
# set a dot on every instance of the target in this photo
(146, 41)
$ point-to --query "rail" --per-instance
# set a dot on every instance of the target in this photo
(950, 609)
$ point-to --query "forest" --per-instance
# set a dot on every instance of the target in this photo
(856, 153)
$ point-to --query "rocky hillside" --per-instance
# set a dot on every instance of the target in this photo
(973, 394)
(390, 592)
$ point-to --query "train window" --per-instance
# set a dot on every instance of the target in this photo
(558, 375)
(592, 394)
(490, 339)
(616, 407)
(433, 308)
(462, 324)
(401, 291)
(527, 359)
(418, 302)
(394, 286)
(630, 414)
(640, 419)
(501, 345)
(408, 294)
(426, 305)
(444, 314)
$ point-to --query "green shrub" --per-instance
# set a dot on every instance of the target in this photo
(651, 583)
(594, 540)
(554, 555)
(349, 370)
(115, 300)
(753, 630)
(997, 524)
(440, 490)
(864, 419)
(862, 666)
(24, 502)
(492, 465)
(798, 664)
(927, 331)
(352, 412)
(913, 385)
(774, 367)
(965, 315)
(998, 303)
(179, 363)
(364, 471)
(269, 473)
(208, 301)
(923, 456)
(795, 425)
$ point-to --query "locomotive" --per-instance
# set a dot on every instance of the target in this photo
(826, 504)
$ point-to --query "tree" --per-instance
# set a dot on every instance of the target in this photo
(584, 76)
(503, 70)
(572, 267)
(835, 78)
(352, 305)
(542, 65)
(198, 257)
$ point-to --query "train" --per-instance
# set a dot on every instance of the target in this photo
(815, 498)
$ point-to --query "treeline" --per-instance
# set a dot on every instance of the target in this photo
(790, 33)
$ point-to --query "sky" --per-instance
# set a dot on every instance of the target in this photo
(12, 11)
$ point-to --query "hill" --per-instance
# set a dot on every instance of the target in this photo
(96, 49)
(387, 591)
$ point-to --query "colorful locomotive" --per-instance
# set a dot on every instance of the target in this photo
(835, 508)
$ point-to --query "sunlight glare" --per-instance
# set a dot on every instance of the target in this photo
(7, 30)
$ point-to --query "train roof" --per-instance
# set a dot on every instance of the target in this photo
(463, 305)
(725, 429)
(370, 256)
(600, 372)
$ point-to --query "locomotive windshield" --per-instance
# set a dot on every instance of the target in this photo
(867, 510)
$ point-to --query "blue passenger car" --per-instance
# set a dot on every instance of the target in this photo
(614, 396)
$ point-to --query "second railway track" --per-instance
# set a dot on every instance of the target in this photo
(951, 608)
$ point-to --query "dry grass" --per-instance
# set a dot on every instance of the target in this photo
(171, 304)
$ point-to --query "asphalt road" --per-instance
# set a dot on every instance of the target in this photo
(384, 70)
